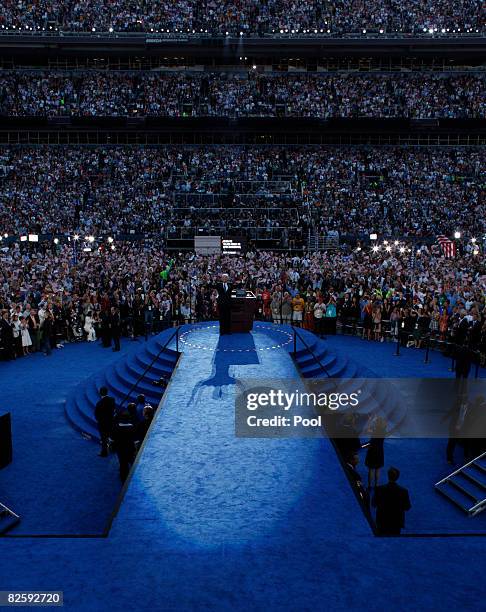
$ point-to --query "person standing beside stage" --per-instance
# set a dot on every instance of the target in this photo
(276, 306)
(391, 502)
(375, 456)
(286, 308)
(224, 289)
(104, 415)
(319, 313)
(331, 317)
(124, 434)
(115, 327)
(298, 305)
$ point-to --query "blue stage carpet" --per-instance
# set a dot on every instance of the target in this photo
(211, 522)
(56, 483)
(211, 489)
(421, 462)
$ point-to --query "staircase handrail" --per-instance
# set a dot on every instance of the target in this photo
(147, 368)
(297, 335)
(461, 468)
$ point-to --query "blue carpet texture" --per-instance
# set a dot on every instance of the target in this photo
(213, 522)
(56, 482)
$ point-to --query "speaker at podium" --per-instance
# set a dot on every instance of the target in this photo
(5, 439)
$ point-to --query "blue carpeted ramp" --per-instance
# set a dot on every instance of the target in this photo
(198, 486)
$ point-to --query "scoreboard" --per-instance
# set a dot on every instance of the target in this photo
(216, 245)
(235, 245)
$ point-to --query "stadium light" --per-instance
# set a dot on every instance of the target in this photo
(388, 248)
(56, 240)
(396, 243)
(375, 248)
(473, 240)
(76, 236)
(5, 235)
(402, 249)
(110, 239)
(457, 235)
(373, 236)
(90, 238)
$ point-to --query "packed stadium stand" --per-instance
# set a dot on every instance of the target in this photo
(332, 156)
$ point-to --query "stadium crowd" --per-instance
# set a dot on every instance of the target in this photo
(254, 17)
(84, 94)
(400, 192)
(48, 296)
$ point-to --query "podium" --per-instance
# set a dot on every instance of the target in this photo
(243, 307)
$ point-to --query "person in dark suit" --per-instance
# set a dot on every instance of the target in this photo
(144, 424)
(124, 435)
(391, 502)
(47, 326)
(463, 358)
(105, 328)
(6, 337)
(115, 327)
(104, 415)
(456, 418)
(224, 289)
(347, 439)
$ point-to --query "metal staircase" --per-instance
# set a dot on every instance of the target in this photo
(466, 487)
(8, 519)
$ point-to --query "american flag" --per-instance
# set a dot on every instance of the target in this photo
(448, 246)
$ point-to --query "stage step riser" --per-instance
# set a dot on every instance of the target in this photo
(119, 379)
(378, 401)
